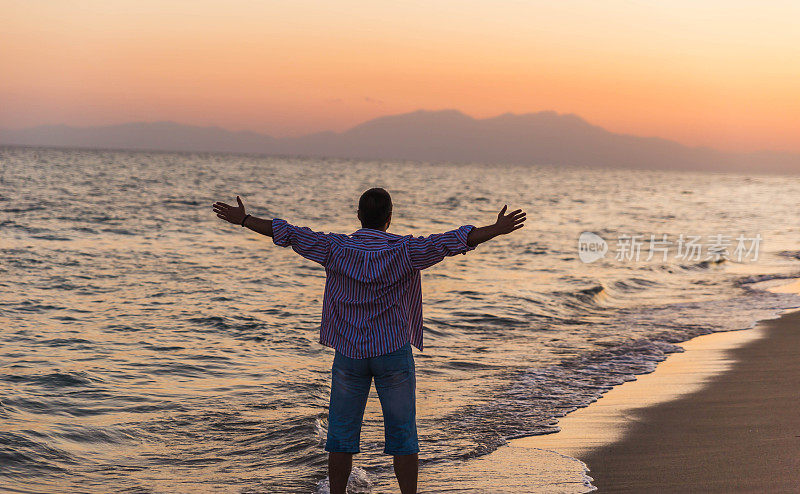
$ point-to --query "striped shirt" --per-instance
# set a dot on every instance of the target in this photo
(373, 296)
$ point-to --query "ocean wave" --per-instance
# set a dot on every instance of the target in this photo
(792, 254)
(29, 453)
(53, 379)
(583, 298)
(747, 281)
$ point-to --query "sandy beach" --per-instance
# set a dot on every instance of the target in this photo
(740, 433)
(720, 417)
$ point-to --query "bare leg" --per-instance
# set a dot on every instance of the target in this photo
(406, 469)
(339, 466)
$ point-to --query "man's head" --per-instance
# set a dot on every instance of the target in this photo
(375, 209)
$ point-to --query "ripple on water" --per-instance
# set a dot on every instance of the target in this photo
(53, 379)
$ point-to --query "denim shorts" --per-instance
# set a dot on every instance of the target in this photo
(395, 381)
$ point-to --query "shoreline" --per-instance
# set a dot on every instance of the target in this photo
(738, 433)
(608, 419)
(722, 416)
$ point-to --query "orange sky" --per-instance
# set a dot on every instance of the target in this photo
(722, 74)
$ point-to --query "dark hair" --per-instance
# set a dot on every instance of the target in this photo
(375, 206)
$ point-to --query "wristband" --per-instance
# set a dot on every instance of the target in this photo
(245, 219)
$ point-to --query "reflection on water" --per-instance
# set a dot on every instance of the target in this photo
(148, 347)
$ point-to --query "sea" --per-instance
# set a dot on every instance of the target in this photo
(146, 346)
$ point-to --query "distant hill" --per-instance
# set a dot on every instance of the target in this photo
(448, 135)
(163, 136)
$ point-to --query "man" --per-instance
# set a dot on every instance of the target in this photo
(371, 315)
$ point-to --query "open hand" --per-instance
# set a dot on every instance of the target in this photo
(229, 213)
(507, 223)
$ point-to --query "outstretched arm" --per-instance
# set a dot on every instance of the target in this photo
(237, 215)
(505, 224)
(309, 244)
(427, 251)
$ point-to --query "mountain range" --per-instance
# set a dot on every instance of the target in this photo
(436, 136)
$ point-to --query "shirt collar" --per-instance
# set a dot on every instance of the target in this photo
(371, 232)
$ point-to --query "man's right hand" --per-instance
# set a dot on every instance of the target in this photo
(231, 214)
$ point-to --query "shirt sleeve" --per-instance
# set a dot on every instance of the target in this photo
(427, 251)
(309, 244)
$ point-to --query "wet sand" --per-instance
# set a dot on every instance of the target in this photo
(739, 433)
(723, 416)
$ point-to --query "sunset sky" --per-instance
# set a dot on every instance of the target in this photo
(724, 74)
